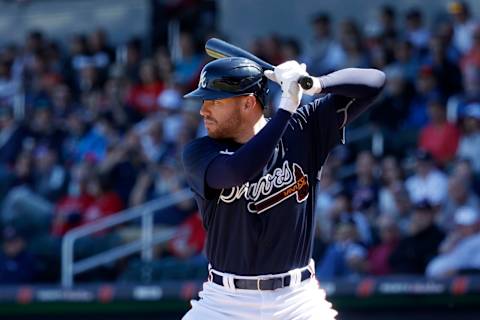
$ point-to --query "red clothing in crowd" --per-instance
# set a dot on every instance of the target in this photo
(190, 237)
(105, 205)
(440, 140)
(378, 258)
(143, 97)
(471, 59)
(69, 212)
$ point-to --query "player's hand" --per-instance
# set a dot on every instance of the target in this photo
(286, 72)
(293, 69)
(287, 75)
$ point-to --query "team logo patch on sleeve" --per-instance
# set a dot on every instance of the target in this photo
(272, 189)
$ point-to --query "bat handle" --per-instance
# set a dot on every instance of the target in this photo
(305, 82)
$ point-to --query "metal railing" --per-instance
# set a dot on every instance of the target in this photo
(145, 244)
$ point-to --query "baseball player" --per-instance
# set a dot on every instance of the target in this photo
(254, 181)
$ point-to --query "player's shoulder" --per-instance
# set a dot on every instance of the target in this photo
(304, 112)
(197, 144)
(315, 104)
(200, 146)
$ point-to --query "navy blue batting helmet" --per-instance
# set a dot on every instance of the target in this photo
(230, 77)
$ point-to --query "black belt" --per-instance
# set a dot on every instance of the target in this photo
(261, 284)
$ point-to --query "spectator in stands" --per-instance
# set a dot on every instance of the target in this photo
(469, 146)
(124, 162)
(102, 54)
(426, 89)
(428, 182)
(403, 206)
(439, 137)
(291, 50)
(55, 58)
(464, 25)
(154, 146)
(415, 31)
(70, 209)
(42, 77)
(459, 251)
(132, 58)
(446, 71)
(189, 63)
(343, 254)
(351, 42)
(364, 188)
(78, 58)
(471, 59)
(17, 264)
(324, 54)
(45, 133)
(406, 61)
(271, 48)
(94, 144)
(50, 176)
(377, 262)
(12, 134)
(21, 201)
(460, 194)
(392, 107)
(388, 30)
(328, 187)
(114, 98)
(8, 85)
(391, 179)
(445, 32)
(413, 252)
(189, 238)
(165, 65)
(159, 180)
(62, 103)
(463, 169)
(90, 86)
(183, 256)
(35, 43)
(143, 97)
(342, 210)
(107, 201)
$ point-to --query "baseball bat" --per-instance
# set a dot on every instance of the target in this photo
(217, 48)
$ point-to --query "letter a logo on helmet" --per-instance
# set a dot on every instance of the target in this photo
(203, 79)
(230, 77)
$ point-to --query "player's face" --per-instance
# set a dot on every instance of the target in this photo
(221, 117)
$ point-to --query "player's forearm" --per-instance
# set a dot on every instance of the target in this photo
(353, 82)
(227, 171)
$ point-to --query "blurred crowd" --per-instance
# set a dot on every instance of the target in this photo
(88, 129)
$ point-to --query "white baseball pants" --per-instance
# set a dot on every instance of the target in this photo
(301, 301)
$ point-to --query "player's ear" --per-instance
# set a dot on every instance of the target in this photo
(249, 103)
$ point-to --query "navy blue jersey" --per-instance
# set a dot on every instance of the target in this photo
(267, 224)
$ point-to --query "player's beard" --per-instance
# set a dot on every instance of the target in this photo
(226, 129)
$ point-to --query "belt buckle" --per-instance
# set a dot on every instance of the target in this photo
(283, 280)
(274, 280)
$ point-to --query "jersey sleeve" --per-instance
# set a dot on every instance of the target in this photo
(319, 120)
(348, 93)
(197, 156)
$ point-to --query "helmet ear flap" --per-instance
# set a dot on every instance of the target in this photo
(262, 91)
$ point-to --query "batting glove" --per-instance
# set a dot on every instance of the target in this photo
(287, 75)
